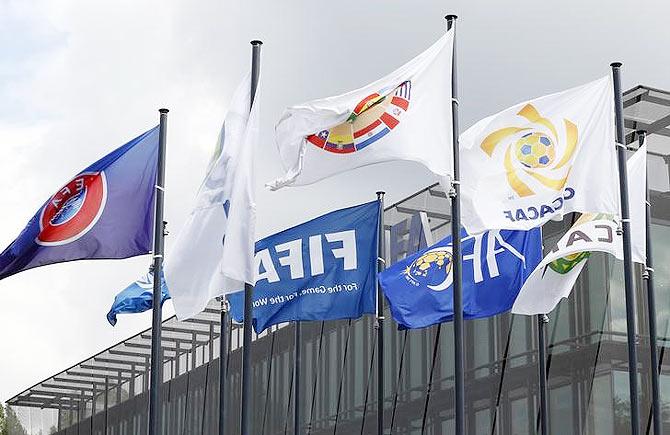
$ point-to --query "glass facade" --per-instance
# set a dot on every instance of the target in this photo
(587, 357)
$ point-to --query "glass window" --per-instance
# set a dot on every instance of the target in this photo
(560, 409)
(621, 402)
(519, 417)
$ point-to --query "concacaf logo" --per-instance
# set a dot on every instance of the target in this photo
(535, 156)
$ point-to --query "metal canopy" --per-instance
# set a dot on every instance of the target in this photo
(123, 364)
(645, 108)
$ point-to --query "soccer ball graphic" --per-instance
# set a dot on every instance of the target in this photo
(535, 150)
(431, 268)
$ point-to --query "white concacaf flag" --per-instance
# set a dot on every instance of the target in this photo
(541, 159)
(214, 251)
(404, 116)
(554, 278)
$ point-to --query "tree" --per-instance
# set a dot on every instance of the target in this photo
(3, 423)
(12, 424)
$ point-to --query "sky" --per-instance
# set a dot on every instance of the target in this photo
(79, 78)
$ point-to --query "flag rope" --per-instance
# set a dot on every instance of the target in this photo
(367, 383)
(429, 387)
(399, 377)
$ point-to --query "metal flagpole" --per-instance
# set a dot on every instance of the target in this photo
(380, 318)
(223, 369)
(454, 194)
(542, 321)
(159, 228)
(628, 262)
(245, 417)
(651, 309)
(296, 381)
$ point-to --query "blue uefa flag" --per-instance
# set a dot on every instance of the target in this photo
(137, 297)
(105, 211)
(495, 265)
(323, 269)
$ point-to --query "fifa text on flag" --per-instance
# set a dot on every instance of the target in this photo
(323, 269)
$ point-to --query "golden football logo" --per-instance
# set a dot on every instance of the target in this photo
(536, 155)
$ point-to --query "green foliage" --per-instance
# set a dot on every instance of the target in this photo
(3, 423)
(12, 424)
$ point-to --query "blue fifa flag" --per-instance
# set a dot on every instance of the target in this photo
(496, 263)
(105, 211)
(323, 269)
(137, 297)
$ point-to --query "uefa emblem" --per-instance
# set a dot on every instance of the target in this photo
(73, 210)
(372, 118)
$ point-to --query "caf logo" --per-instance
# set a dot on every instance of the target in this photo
(73, 210)
(565, 264)
(373, 118)
(538, 156)
(432, 269)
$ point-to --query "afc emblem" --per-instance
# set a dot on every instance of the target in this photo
(73, 210)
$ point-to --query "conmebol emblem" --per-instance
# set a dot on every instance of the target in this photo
(539, 156)
(373, 118)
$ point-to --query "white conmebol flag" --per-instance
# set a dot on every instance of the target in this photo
(214, 252)
(554, 278)
(541, 159)
(403, 116)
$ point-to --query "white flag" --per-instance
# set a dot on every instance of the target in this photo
(541, 159)
(637, 203)
(554, 278)
(404, 116)
(214, 252)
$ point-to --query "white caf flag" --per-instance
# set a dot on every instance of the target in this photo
(541, 159)
(403, 116)
(554, 278)
(214, 251)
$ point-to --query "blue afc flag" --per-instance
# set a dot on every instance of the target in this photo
(105, 211)
(495, 265)
(323, 269)
(137, 297)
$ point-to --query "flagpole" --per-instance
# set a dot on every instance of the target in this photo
(245, 417)
(223, 359)
(651, 308)
(454, 194)
(159, 228)
(380, 316)
(542, 321)
(296, 381)
(628, 262)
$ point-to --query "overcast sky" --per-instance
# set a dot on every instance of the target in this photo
(80, 78)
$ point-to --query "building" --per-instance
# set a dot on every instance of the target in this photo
(587, 362)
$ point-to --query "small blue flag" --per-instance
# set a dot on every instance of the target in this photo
(105, 211)
(495, 266)
(323, 269)
(137, 297)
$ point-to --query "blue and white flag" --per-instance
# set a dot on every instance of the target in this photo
(105, 211)
(136, 298)
(323, 269)
(213, 253)
(495, 266)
